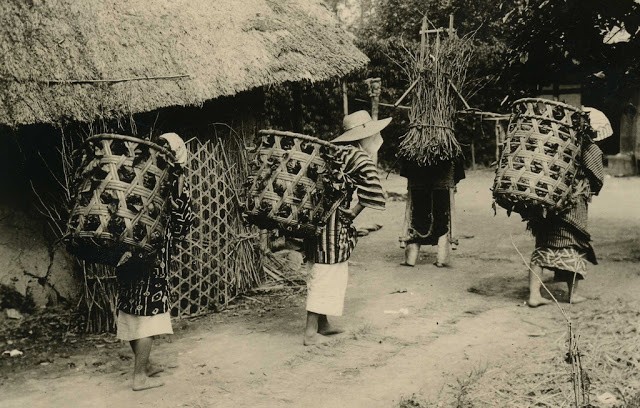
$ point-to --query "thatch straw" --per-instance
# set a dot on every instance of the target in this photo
(85, 59)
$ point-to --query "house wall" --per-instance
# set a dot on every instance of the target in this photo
(29, 263)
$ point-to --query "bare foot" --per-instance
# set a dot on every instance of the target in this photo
(153, 370)
(535, 301)
(314, 340)
(577, 299)
(142, 382)
(439, 264)
(328, 330)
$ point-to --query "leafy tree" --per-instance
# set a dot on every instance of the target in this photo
(577, 39)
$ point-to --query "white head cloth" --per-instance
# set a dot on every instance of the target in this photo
(178, 146)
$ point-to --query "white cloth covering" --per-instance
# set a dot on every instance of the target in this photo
(178, 146)
(599, 122)
(132, 327)
(326, 288)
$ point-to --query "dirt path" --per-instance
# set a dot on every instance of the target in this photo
(461, 319)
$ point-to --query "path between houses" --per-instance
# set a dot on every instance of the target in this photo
(409, 330)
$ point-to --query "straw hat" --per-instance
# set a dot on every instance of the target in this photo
(359, 125)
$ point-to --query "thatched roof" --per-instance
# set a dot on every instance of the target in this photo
(53, 51)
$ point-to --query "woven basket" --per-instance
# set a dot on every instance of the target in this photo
(538, 165)
(121, 191)
(290, 186)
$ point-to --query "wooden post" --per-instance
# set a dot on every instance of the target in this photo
(451, 30)
(453, 239)
(375, 86)
(423, 41)
(473, 154)
(345, 98)
(501, 134)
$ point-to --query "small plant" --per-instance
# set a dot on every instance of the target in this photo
(412, 401)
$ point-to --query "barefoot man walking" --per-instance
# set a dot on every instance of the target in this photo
(330, 251)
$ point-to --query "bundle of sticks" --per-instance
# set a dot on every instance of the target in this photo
(438, 73)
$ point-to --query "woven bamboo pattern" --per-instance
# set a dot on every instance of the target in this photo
(294, 183)
(220, 257)
(537, 167)
(121, 189)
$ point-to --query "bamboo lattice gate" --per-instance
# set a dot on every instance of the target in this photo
(219, 258)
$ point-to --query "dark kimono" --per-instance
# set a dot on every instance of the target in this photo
(428, 188)
(143, 285)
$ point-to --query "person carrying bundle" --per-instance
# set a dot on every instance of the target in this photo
(429, 189)
(329, 252)
(143, 286)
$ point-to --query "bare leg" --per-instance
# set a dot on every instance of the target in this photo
(311, 335)
(535, 298)
(142, 349)
(325, 328)
(411, 253)
(572, 287)
(444, 249)
(152, 369)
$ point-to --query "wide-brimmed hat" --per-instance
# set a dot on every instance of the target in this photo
(359, 125)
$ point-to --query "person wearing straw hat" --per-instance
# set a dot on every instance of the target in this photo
(562, 242)
(143, 286)
(328, 253)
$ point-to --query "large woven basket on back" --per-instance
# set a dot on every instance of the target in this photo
(295, 183)
(121, 192)
(538, 164)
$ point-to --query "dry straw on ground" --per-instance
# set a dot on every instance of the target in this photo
(610, 359)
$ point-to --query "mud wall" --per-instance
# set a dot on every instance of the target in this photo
(27, 262)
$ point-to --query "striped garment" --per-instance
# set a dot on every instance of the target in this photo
(339, 237)
(563, 243)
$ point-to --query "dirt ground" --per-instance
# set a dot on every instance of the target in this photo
(409, 331)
